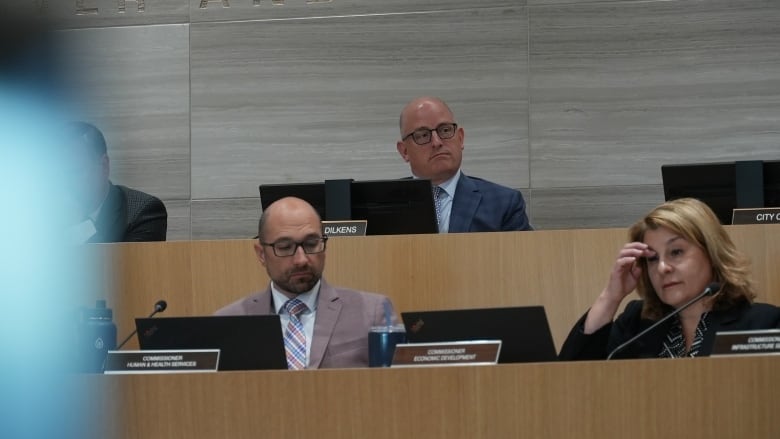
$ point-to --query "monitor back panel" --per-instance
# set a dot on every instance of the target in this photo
(245, 342)
(524, 331)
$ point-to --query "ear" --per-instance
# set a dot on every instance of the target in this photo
(401, 146)
(461, 136)
(260, 252)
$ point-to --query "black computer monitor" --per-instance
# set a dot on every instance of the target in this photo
(523, 330)
(252, 342)
(391, 207)
(725, 186)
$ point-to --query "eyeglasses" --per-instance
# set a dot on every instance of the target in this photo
(422, 136)
(288, 247)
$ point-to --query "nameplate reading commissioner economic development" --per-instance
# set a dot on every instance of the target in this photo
(476, 352)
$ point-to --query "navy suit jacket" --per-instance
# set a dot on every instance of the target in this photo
(129, 215)
(341, 326)
(596, 346)
(481, 206)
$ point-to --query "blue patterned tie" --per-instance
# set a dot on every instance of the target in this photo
(294, 337)
(437, 202)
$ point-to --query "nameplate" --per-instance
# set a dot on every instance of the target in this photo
(765, 341)
(476, 352)
(345, 228)
(758, 215)
(184, 361)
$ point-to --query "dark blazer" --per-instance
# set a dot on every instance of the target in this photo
(596, 346)
(129, 215)
(481, 206)
(344, 319)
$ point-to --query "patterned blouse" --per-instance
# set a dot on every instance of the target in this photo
(674, 345)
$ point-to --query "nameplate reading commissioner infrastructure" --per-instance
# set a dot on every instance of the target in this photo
(758, 342)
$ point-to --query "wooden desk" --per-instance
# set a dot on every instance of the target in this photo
(564, 270)
(684, 398)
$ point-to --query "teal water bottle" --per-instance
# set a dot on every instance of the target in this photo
(96, 336)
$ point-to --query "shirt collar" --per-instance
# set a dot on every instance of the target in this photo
(449, 185)
(309, 298)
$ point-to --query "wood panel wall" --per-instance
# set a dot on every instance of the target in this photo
(563, 270)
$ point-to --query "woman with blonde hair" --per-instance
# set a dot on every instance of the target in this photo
(675, 252)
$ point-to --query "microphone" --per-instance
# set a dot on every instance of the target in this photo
(711, 289)
(158, 307)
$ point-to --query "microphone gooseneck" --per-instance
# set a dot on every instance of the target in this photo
(711, 289)
(159, 306)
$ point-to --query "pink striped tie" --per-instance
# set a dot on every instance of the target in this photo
(294, 337)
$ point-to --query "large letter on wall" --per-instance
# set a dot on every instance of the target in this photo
(205, 3)
(81, 9)
(121, 4)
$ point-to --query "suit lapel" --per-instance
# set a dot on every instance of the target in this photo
(262, 304)
(464, 204)
(328, 310)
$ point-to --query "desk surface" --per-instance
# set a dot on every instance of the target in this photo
(683, 398)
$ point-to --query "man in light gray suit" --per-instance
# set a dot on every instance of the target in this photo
(324, 326)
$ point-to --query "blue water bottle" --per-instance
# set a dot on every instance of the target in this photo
(96, 335)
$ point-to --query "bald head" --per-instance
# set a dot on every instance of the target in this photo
(421, 104)
(284, 210)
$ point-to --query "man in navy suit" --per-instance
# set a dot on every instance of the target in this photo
(432, 143)
(107, 212)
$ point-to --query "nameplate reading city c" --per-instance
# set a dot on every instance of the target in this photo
(758, 215)
(759, 342)
(477, 352)
(183, 361)
(345, 228)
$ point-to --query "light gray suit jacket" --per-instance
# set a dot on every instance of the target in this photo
(344, 318)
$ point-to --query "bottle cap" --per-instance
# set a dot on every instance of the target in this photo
(100, 311)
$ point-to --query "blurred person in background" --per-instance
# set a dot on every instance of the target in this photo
(109, 212)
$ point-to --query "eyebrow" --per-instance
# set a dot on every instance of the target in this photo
(674, 238)
(437, 125)
(668, 241)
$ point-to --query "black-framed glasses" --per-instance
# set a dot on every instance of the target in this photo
(288, 247)
(423, 136)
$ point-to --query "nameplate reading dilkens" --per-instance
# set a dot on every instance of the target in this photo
(345, 228)
(765, 341)
(451, 353)
(133, 362)
(759, 215)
